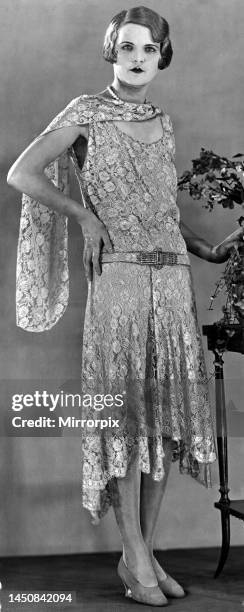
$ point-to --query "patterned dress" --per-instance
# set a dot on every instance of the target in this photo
(141, 343)
(141, 334)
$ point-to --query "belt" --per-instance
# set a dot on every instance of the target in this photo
(155, 258)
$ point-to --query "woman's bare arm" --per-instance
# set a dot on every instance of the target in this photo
(215, 253)
(196, 245)
(27, 176)
(27, 173)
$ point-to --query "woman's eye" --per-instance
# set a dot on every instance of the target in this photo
(127, 48)
(150, 49)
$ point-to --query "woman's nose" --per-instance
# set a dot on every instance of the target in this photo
(139, 56)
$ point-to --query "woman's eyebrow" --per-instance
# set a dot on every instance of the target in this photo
(148, 44)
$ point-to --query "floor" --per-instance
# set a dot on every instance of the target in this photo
(95, 586)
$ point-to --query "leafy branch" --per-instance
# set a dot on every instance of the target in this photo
(215, 179)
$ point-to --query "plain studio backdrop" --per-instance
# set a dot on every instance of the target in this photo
(51, 52)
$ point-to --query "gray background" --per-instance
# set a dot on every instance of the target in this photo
(51, 53)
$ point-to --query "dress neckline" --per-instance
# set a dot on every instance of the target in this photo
(137, 140)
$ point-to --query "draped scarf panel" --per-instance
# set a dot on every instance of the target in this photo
(42, 274)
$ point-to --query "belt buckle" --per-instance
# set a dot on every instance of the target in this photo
(159, 260)
(164, 258)
(150, 258)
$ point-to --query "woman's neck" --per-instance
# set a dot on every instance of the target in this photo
(129, 94)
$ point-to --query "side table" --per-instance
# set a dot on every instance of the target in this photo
(221, 338)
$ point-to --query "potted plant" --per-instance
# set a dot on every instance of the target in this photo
(217, 180)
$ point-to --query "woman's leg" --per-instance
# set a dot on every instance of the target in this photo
(126, 504)
(151, 496)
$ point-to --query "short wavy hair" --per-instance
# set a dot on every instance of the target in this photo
(144, 16)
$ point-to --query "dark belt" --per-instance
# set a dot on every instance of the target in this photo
(155, 258)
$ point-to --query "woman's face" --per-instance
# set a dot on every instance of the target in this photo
(137, 55)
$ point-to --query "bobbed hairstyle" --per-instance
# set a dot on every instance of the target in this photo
(144, 16)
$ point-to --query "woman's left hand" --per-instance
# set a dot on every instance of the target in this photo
(222, 251)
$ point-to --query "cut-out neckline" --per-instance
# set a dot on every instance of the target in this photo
(143, 142)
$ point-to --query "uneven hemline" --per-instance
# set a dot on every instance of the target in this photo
(202, 476)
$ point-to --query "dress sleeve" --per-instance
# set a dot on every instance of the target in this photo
(42, 275)
(78, 112)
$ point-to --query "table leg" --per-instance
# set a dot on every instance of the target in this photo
(225, 522)
(221, 427)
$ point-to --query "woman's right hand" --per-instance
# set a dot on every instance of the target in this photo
(96, 237)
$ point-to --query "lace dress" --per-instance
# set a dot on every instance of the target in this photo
(143, 362)
(141, 337)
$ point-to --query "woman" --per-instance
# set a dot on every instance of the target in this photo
(142, 345)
